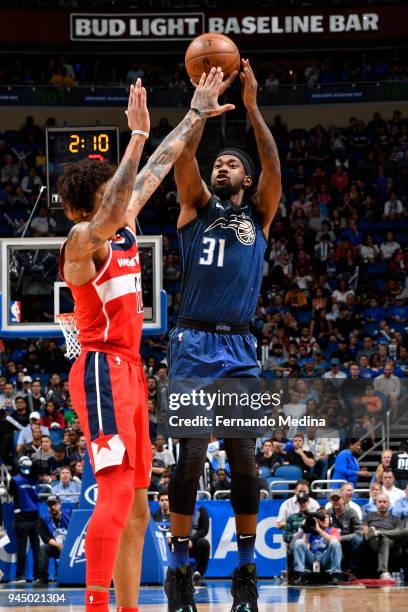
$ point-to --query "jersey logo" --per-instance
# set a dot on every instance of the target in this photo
(242, 225)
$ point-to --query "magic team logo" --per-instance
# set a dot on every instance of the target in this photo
(77, 552)
(242, 225)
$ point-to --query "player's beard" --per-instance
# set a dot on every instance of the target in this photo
(224, 192)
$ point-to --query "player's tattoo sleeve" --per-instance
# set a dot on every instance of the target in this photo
(267, 149)
(164, 158)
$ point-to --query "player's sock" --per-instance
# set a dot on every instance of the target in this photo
(179, 551)
(122, 609)
(246, 548)
(97, 601)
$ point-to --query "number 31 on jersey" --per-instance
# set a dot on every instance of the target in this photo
(213, 249)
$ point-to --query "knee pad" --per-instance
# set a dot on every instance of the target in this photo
(245, 494)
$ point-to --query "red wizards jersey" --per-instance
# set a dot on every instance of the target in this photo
(109, 307)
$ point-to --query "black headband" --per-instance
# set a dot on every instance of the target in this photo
(243, 157)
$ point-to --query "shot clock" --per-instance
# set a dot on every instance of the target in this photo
(72, 144)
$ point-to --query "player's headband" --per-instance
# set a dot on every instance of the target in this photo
(243, 157)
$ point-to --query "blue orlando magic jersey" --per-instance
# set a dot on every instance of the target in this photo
(222, 253)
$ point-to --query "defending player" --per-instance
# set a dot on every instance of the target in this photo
(100, 263)
(222, 242)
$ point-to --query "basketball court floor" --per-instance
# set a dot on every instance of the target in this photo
(215, 597)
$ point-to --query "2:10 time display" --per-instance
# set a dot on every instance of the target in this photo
(99, 143)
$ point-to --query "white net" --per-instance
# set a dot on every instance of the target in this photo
(67, 322)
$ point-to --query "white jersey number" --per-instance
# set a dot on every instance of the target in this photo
(211, 245)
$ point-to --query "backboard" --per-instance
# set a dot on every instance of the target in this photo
(33, 294)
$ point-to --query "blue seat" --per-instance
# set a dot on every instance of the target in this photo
(289, 472)
(304, 317)
(377, 268)
(278, 483)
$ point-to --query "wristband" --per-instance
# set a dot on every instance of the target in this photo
(141, 132)
(199, 113)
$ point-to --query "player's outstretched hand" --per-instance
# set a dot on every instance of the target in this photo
(137, 113)
(249, 85)
(225, 84)
(205, 97)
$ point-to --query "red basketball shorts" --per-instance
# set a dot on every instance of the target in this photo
(109, 396)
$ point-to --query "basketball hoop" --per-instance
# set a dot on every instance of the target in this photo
(67, 322)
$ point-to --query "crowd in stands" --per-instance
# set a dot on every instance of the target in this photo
(333, 305)
(73, 71)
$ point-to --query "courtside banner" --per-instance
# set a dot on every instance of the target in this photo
(270, 549)
(266, 28)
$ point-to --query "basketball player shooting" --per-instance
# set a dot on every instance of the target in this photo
(100, 264)
(223, 235)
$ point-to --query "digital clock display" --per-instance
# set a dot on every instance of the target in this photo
(70, 145)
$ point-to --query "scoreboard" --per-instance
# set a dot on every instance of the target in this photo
(72, 144)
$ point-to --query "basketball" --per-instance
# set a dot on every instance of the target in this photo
(210, 50)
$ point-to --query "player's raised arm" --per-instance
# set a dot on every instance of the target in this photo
(269, 185)
(88, 237)
(192, 190)
(204, 104)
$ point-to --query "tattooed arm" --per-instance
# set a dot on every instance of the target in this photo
(192, 190)
(269, 189)
(205, 100)
(87, 237)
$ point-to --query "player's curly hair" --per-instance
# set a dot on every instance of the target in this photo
(80, 181)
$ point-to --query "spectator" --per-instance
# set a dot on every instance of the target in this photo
(323, 545)
(388, 487)
(66, 489)
(25, 436)
(375, 490)
(162, 453)
(399, 465)
(383, 466)
(291, 506)
(35, 397)
(388, 384)
(400, 508)
(223, 483)
(31, 448)
(393, 208)
(52, 419)
(78, 451)
(9, 396)
(267, 459)
(335, 371)
(302, 458)
(293, 525)
(349, 524)
(58, 461)
(346, 466)
(319, 446)
(43, 224)
(347, 491)
(31, 183)
(21, 414)
(24, 490)
(162, 515)
(384, 534)
(53, 530)
(389, 247)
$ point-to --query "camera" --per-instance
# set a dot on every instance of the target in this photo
(309, 522)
